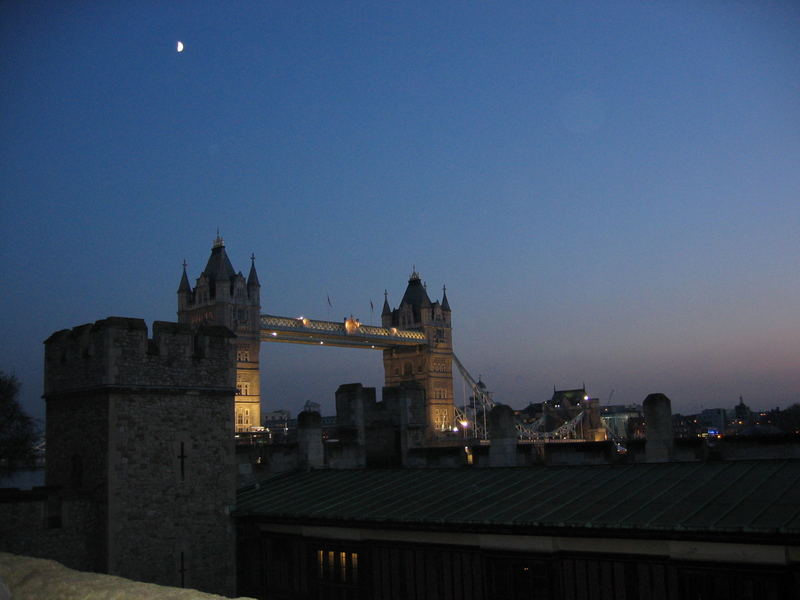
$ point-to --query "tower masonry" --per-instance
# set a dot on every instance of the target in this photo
(138, 429)
(429, 365)
(222, 296)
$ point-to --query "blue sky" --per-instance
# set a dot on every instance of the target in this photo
(610, 190)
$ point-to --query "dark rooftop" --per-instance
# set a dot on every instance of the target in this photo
(219, 267)
(741, 499)
(415, 294)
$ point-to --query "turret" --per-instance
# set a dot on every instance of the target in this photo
(386, 312)
(219, 271)
(223, 296)
(429, 365)
(184, 291)
(253, 286)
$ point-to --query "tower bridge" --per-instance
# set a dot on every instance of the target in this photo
(415, 338)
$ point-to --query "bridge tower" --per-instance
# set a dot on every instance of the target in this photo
(430, 365)
(222, 296)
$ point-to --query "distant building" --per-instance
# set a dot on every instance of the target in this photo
(686, 427)
(714, 420)
(742, 413)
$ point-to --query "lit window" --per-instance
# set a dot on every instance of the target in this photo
(337, 567)
(440, 418)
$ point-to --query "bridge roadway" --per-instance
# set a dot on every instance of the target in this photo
(349, 334)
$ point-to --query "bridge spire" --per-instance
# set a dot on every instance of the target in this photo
(445, 303)
(252, 278)
(184, 286)
(386, 310)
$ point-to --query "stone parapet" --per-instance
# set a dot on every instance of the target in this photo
(117, 352)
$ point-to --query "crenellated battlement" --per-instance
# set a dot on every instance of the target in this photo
(117, 352)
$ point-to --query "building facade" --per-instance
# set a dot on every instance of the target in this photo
(667, 531)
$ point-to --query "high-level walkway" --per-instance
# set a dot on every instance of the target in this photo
(350, 333)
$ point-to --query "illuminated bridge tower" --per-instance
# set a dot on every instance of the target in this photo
(430, 365)
(223, 297)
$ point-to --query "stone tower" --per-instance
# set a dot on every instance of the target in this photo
(138, 434)
(430, 365)
(222, 296)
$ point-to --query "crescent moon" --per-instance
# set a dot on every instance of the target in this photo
(180, 47)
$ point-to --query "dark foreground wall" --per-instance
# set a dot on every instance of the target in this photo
(43, 523)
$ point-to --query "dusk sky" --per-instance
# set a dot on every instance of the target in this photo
(609, 190)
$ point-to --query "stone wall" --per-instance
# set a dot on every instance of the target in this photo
(77, 435)
(42, 522)
(172, 481)
(142, 429)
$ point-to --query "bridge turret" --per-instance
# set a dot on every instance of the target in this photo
(253, 285)
(223, 296)
(386, 312)
(184, 291)
(429, 364)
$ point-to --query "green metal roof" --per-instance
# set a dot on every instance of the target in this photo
(754, 497)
